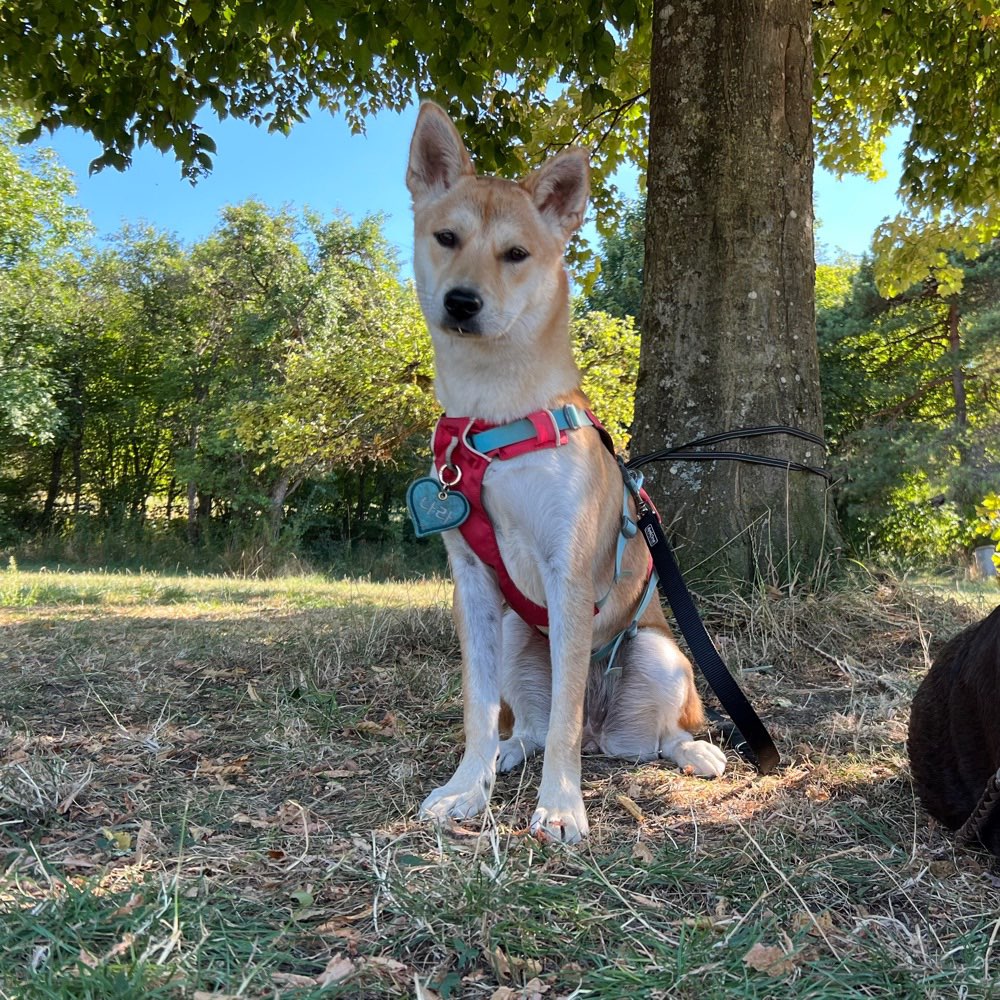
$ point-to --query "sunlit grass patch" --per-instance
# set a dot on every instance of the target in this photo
(130, 934)
(31, 588)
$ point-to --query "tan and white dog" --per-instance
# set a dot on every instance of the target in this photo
(488, 261)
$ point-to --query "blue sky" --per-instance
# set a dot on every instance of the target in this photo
(323, 166)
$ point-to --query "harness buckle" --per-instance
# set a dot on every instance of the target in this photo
(629, 528)
(572, 417)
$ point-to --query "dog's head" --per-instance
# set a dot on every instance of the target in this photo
(488, 252)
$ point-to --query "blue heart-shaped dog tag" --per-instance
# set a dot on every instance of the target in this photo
(429, 512)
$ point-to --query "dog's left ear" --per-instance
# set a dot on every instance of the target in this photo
(559, 189)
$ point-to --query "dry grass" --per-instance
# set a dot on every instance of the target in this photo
(207, 788)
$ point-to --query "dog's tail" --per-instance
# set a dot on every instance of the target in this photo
(692, 717)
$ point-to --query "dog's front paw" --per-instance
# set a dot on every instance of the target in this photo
(698, 757)
(455, 801)
(567, 825)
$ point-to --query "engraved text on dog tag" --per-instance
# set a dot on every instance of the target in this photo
(433, 508)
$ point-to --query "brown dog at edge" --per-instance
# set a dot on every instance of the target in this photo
(954, 738)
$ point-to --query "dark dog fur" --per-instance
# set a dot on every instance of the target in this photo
(954, 739)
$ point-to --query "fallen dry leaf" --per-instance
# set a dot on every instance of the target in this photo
(123, 911)
(257, 822)
(385, 727)
(770, 960)
(223, 766)
(337, 970)
(422, 992)
(295, 818)
(88, 959)
(457, 830)
(119, 948)
(816, 793)
(119, 840)
(389, 965)
(631, 807)
(816, 924)
(292, 979)
(534, 990)
(641, 852)
(290, 818)
(512, 967)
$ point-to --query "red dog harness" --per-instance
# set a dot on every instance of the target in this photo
(463, 449)
(461, 467)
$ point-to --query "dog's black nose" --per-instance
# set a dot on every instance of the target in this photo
(462, 303)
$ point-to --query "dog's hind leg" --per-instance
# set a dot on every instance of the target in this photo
(655, 705)
(526, 685)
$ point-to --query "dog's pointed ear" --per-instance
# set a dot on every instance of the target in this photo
(438, 157)
(559, 189)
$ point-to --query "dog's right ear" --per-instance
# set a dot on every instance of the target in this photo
(438, 157)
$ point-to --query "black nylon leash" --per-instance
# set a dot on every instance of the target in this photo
(756, 746)
(689, 453)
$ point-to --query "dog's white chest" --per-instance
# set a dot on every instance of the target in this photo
(532, 502)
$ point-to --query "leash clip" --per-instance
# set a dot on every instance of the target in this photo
(633, 483)
(448, 467)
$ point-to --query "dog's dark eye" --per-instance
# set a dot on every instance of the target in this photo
(446, 238)
(516, 254)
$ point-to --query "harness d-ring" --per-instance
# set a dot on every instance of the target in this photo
(447, 484)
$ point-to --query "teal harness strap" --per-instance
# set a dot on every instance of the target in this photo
(628, 531)
(567, 418)
(610, 649)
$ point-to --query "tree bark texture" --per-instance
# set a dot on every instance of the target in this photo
(276, 502)
(728, 327)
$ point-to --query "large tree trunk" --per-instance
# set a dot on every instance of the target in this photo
(728, 329)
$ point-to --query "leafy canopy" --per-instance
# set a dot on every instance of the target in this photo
(39, 226)
(932, 68)
(37, 216)
(133, 73)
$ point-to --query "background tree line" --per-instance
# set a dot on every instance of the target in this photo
(267, 391)
(723, 108)
(262, 393)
